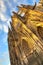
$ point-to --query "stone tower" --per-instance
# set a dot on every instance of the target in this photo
(25, 36)
(40, 6)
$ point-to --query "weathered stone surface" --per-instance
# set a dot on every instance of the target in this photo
(25, 37)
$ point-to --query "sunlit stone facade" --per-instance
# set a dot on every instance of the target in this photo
(40, 6)
(25, 37)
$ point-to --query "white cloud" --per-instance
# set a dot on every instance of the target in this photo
(2, 5)
(9, 63)
(9, 3)
(8, 21)
(5, 28)
(19, 1)
(2, 17)
(3, 9)
(0, 27)
(15, 0)
(5, 58)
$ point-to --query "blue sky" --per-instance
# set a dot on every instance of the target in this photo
(6, 8)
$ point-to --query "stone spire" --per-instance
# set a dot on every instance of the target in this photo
(41, 2)
(40, 5)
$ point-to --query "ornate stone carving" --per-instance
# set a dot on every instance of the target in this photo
(25, 37)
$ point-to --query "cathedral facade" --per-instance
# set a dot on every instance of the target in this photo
(25, 37)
